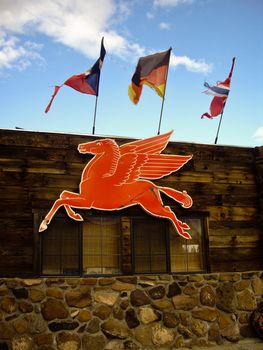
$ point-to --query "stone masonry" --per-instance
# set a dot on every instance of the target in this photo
(128, 312)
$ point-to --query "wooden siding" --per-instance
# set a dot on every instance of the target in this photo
(225, 183)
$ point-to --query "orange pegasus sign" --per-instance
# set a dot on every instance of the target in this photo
(118, 177)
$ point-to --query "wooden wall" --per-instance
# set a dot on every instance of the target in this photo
(225, 184)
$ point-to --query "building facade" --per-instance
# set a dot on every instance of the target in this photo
(128, 252)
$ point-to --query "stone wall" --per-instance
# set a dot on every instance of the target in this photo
(128, 312)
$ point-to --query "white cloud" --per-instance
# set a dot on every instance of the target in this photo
(164, 25)
(13, 54)
(124, 9)
(150, 15)
(259, 134)
(78, 25)
(171, 3)
(191, 65)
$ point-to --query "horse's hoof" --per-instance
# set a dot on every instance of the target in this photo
(185, 226)
(78, 217)
(185, 235)
(43, 226)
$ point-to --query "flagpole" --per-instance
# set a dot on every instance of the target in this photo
(229, 77)
(98, 65)
(94, 119)
(219, 125)
(161, 113)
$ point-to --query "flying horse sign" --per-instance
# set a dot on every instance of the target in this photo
(118, 177)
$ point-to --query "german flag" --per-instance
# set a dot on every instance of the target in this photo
(152, 71)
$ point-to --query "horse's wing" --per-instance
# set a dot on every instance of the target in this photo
(132, 166)
(151, 145)
(158, 166)
(128, 169)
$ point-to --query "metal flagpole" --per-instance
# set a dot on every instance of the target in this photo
(161, 113)
(98, 66)
(94, 119)
(229, 77)
(220, 121)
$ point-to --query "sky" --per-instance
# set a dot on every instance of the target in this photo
(44, 42)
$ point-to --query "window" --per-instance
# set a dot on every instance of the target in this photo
(73, 248)
(187, 255)
(61, 248)
(110, 245)
(149, 246)
(101, 245)
(157, 247)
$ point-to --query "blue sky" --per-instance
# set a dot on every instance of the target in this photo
(44, 42)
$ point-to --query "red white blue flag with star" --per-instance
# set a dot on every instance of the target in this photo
(87, 82)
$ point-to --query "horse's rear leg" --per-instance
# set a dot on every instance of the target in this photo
(181, 197)
(72, 214)
(179, 225)
(151, 201)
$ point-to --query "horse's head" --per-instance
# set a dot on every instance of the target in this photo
(97, 147)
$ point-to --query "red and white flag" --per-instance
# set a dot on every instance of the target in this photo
(220, 92)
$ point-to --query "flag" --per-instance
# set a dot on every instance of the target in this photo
(152, 71)
(220, 92)
(87, 82)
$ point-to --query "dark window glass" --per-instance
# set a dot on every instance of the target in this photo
(149, 246)
(61, 248)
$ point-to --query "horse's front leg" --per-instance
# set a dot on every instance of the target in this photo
(43, 226)
(77, 202)
(71, 213)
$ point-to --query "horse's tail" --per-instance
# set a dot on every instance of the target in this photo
(182, 197)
